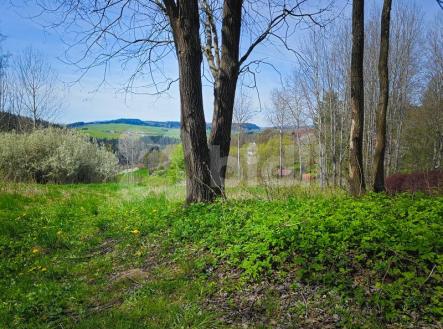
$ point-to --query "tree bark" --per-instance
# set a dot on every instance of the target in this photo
(383, 73)
(224, 93)
(238, 153)
(184, 18)
(300, 176)
(356, 175)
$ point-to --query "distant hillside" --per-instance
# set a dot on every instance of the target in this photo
(9, 122)
(116, 130)
(158, 124)
(134, 122)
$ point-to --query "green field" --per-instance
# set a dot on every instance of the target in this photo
(116, 130)
(131, 256)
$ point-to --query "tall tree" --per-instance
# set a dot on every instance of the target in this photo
(290, 96)
(225, 83)
(36, 82)
(140, 31)
(185, 23)
(3, 77)
(226, 64)
(356, 175)
(383, 74)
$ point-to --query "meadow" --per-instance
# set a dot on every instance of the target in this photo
(116, 130)
(119, 255)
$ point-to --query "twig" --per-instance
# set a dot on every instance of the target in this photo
(430, 274)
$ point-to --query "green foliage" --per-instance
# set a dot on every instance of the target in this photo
(383, 252)
(54, 155)
(83, 256)
(79, 257)
(176, 169)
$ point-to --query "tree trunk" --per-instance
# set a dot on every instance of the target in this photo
(280, 167)
(184, 18)
(397, 145)
(224, 93)
(340, 150)
(383, 73)
(356, 175)
(238, 154)
(439, 153)
(299, 155)
(320, 151)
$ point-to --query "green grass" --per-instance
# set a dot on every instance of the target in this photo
(128, 256)
(115, 130)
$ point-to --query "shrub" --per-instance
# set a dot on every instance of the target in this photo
(54, 155)
(176, 170)
(426, 182)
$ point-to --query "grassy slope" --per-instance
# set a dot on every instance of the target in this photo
(112, 256)
(115, 130)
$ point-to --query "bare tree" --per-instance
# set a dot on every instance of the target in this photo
(36, 87)
(312, 86)
(324, 85)
(356, 175)
(261, 20)
(5, 85)
(278, 116)
(433, 95)
(243, 113)
(3, 77)
(145, 32)
(292, 97)
(405, 63)
(383, 73)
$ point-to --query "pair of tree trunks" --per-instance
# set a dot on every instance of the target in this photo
(356, 175)
(205, 160)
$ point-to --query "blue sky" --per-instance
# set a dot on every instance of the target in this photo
(83, 102)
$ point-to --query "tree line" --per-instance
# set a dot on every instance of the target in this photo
(30, 93)
(349, 111)
(401, 116)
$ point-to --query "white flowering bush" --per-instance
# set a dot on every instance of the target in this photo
(55, 155)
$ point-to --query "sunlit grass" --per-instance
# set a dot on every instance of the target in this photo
(127, 254)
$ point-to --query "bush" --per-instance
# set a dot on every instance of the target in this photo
(54, 155)
(176, 170)
(426, 182)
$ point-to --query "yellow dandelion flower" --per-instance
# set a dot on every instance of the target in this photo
(35, 250)
(135, 232)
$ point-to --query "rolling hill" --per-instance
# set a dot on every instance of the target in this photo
(113, 129)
